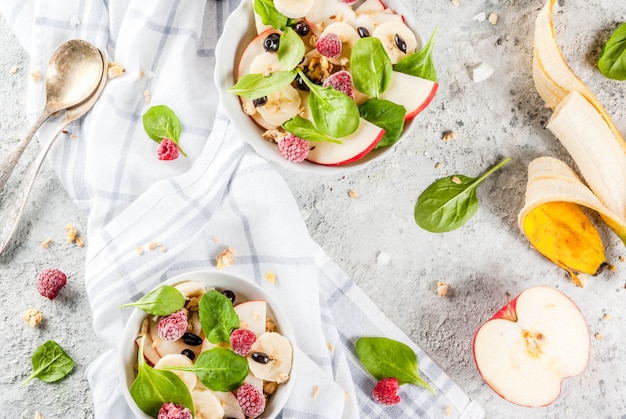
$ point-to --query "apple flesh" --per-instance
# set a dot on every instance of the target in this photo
(252, 316)
(526, 350)
(412, 92)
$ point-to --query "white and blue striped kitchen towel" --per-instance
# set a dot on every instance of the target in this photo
(223, 195)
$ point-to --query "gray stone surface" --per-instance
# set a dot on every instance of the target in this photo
(502, 116)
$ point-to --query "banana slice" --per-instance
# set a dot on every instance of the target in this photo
(232, 409)
(190, 289)
(293, 8)
(281, 106)
(397, 38)
(265, 63)
(178, 360)
(347, 35)
(277, 349)
(206, 405)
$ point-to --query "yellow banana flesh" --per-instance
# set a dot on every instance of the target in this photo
(551, 217)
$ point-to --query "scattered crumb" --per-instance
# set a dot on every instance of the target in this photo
(599, 336)
(449, 135)
(153, 245)
(140, 75)
(73, 137)
(606, 316)
(270, 277)
(46, 243)
(65, 132)
(226, 258)
(383, 258)
(38, 415)
(32, 316)
(353, 195)
(622, 259)
(74, 21)
(216, 239)
(13, 69)
(612, 268)
(71, 232)
(35, 76)
(316, 390)
(438, 165)
(146, 96)
(115, 70)
(80, 242)
(455, 179)
(345, 395)
(455, 3)
(482, 72)
(480, 17)
(449, 411)
(493, 18)
(330, 347)
(163, 249)
(442, 289)
(139, 250)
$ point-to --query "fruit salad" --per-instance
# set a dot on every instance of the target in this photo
(204, 353)
(331, 80)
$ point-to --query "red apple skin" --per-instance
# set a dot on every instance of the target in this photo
(412, 114)
(361, 154)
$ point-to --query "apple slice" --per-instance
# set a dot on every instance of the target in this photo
(370, 6)
(352, 147)
(252, 315)
(531, 345)
(326, 12)
(231, 406)
(151, 356)
(414, 93)
(165, 347)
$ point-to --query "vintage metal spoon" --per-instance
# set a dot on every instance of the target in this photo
(73, 74)
(71, 114)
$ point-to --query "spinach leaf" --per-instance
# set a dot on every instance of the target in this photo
(420, 63)
(161, 122)
(217, 316)
(253, 86)
(333, 112)
(153, 387)
(290, 49)
(387, 115)
(384, 358)
(370, 66)
(303, 128)
(50, 363)
(219, 369)
(450, 202)
(612, 62)
(269, 15)
(161, 301)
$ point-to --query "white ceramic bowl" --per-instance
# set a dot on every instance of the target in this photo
(239, 30)
(244, 291)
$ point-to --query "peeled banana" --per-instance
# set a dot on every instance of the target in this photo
(551, 217)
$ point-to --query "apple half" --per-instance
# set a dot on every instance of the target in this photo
(526, 350)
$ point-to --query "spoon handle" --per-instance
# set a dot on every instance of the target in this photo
(17, 206)
(10, 161)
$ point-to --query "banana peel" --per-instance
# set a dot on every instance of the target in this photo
(551, 217)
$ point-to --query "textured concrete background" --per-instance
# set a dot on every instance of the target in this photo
(502, 116)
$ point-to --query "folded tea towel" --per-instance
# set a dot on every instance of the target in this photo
(222, 195)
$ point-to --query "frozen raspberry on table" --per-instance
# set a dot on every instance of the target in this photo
(251, 400)
(385, 391)
(241, 341)
(342, 81)
(292, 148)
(173, 327)
(329, 45)
(50, 281)
(174, 411)
(168, 150)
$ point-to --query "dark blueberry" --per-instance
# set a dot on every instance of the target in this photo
(400, 43)
(301, 28)
(363, 32)
(300, 84)
(188, 353)
(271, 42)
(228, 293)
(261, 358)
(259, 101)
(192, 339)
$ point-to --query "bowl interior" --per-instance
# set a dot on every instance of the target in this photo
(239, 30)
(245, 291)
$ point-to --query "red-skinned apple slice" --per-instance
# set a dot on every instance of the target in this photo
(414, 93)
(531, 345)
(165, 347)
(151, 356)
(352, 147)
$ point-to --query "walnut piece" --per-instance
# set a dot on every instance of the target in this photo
(72, 232)
(115, 70)
(226, 258)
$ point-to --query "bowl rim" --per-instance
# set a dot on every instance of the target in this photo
(210, 278)
(227, 53)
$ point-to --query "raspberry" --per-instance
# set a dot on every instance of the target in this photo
(251, 400)
(174, 411)
(168, 150)
(294, 149)
(173, 327)
(385, 391)
(241, 341)
(329, 45)
(342, 81)
(50, 281)
(349, 2)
